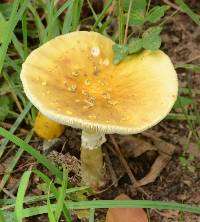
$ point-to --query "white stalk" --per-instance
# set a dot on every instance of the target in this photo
(92, 140)
(92, 158)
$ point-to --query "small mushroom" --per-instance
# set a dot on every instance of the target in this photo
(47, 128)
(142, 90)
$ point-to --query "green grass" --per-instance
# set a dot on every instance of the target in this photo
(28, 28)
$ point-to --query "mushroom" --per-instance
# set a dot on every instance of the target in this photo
(47, 128)
(71, 80)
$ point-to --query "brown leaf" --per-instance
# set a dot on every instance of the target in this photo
(126, 214)
(134, 146)
(157, 167)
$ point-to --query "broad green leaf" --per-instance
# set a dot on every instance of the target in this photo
(151, 39)
(137, 5)
(153, 30)
(5, 106)
(156, 13)
(182, 101)
(152, 42)
(136, 18)
(135, 45)
(120, 52)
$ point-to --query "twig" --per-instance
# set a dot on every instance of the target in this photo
(111, 149)
(171, 4)
(8, 126)
(112, 172)
(15, 98)
(107, 188)
(7, 154)
(8, 193)
(127, 168)
(192, 59)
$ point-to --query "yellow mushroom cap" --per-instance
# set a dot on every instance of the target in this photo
(71, 80)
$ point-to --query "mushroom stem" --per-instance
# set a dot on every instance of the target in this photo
(92, 158)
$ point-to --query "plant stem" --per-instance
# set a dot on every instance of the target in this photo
(120, 23)
(127, 21)
(92, 159)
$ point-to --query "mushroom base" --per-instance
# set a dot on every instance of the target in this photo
(92, 159)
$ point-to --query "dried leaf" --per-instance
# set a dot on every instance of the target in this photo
(134, 146)
(126, 214)
(157, 167)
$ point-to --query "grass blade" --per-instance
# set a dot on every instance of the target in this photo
(13, 163)
(102, 15)
(32, 199)
(61, 9)
(180, 116)
(14, 127)
(25, 34)
(8, 33)
(50, 211)
(91, 217)
(192, 67)
(12, 63)
(78, 4)
(49, 208)
(40, 27)
(116, 204)
(14, 18)
(1, 216)
(184, 7)
(68, 19)
(53, 189)
(36, 154)
(20, 195)
(61, 197)
(50, 22)
(18, 46)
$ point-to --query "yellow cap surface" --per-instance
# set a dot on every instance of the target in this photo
(71, 80)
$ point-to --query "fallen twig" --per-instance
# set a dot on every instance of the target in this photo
(127, 168)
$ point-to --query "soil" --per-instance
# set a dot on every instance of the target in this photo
(181, 39)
